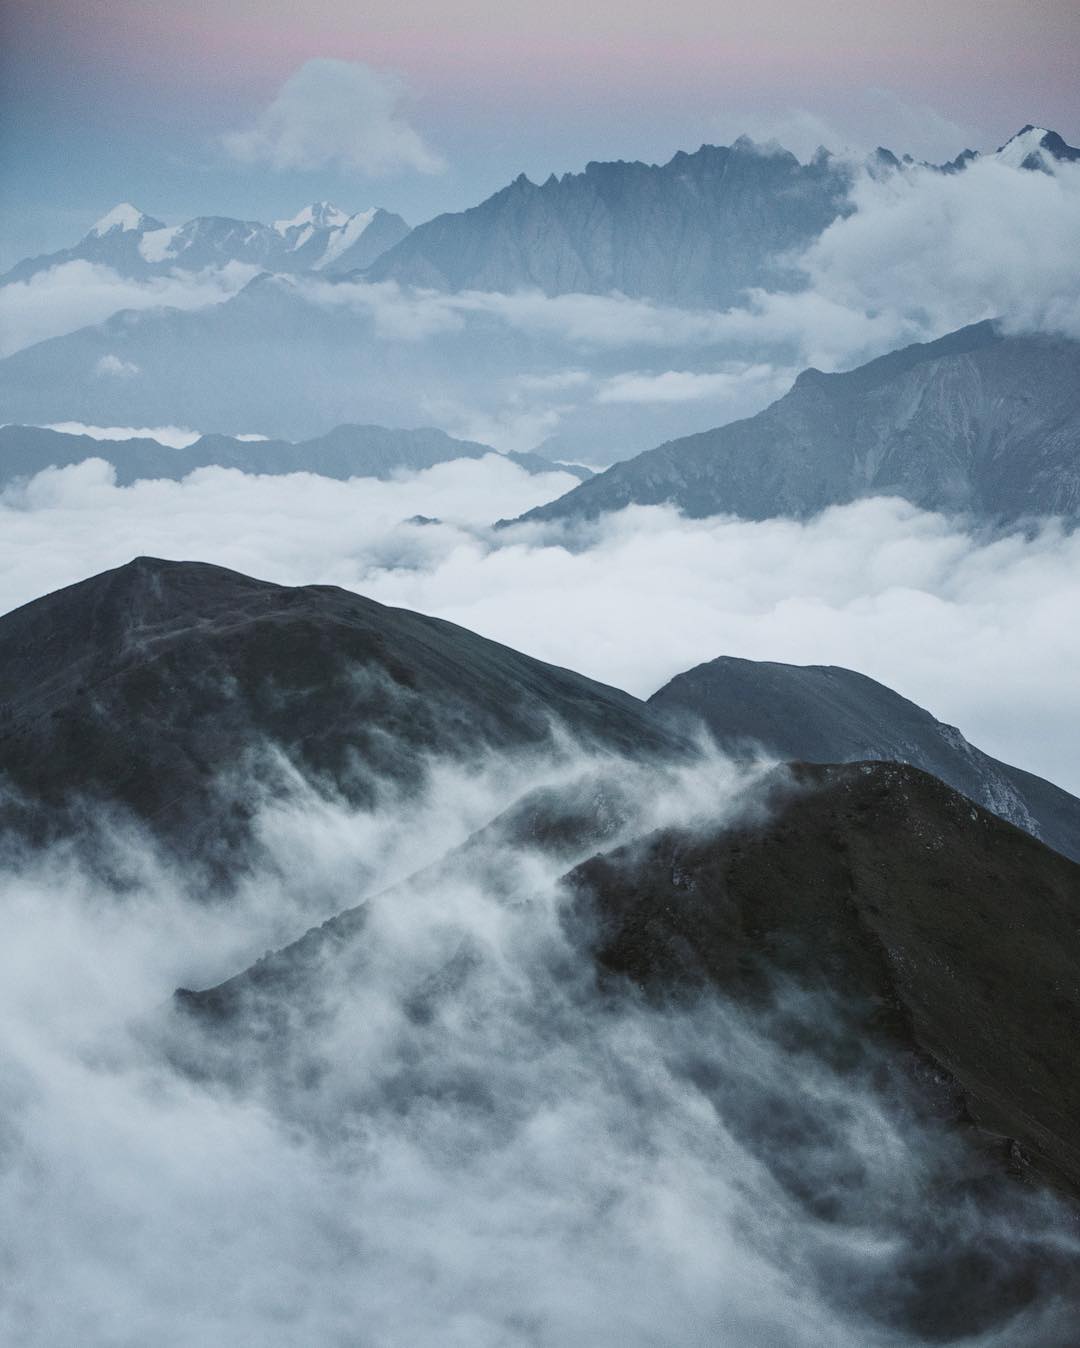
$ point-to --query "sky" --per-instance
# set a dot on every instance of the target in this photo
(256, 108)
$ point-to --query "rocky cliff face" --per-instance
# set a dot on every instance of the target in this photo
(976, 422)
(695, 231)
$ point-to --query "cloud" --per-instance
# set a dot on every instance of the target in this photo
(918, 248)
(471, 1148)
(871, 117)
(678, 386)
(339, 114)
(176, 437)
(76, 294)
(113, 366)
(910, 598)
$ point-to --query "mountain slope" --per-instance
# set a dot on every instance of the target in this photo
(942, 928)
(932, 927)
(976, 421)
(824, 714)
(697, 231)
(346, 451)
(175, 691)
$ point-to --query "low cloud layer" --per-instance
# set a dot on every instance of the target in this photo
(910, 598)
(340, 114)
(473, 1149)
(76, 294)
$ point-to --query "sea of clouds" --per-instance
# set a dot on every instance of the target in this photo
(976, 627)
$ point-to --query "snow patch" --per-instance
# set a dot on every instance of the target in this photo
(321, 214)
(343, 238)
(1023, 145)
(124, 217)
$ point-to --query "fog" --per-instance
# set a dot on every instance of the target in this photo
(914, 599)
(478, 1146)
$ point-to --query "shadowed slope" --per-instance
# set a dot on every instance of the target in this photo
(825, 714)
(174, 689)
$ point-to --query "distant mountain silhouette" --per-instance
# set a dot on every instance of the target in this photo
(321, 238)
(344, 452)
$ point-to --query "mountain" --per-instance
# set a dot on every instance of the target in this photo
(697, 231)
(1036, 148)
(345, 452)
(825, 714)
(938, 934)
(940, 927)
(181, 694)
(320, 238)
(976, 422)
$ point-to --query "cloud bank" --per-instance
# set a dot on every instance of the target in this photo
(340, 114)
(910, 598)
(76, 294)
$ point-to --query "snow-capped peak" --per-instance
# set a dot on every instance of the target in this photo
(124, 217)
(1022, 147)
(320, 215)
(344, 237)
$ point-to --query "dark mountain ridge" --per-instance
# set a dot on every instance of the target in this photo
(163, 691)
(953, 931)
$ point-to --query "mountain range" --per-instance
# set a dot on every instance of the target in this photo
(319, 238)
(698, 231)
(881, 928)
(978, 422)
(343, 453)
(145, 689)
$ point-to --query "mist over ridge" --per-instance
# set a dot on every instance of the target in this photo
(539, 739)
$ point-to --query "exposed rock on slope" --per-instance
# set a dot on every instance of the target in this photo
(697, 231)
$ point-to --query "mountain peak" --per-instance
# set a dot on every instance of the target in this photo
(320, 214)
(125, 218)
(1035, 147)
